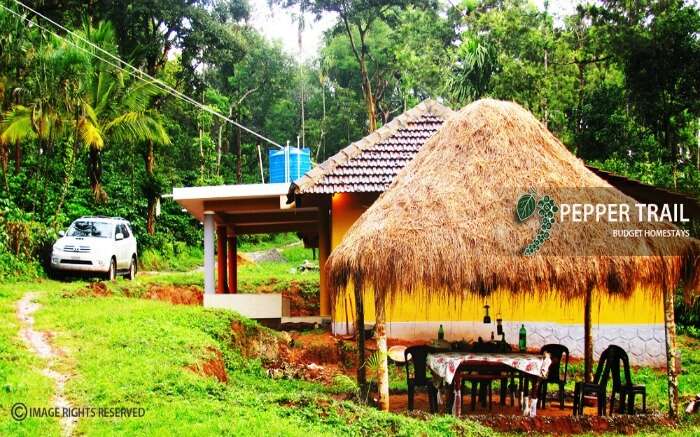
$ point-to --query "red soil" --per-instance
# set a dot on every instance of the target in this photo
(300, 305)
(549, 420)
(94, 289)
(309, 356)
(179, 295)
(213, 367)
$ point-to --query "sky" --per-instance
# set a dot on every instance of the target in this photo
(277, 23)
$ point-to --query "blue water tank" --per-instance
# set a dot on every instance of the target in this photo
(299, 163)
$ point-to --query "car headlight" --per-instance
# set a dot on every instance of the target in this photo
(54, 259)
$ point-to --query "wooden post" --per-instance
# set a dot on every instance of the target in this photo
(232, 260)
(587, 338)
(221, 259)
(324, 249)
(380, 334)
(671, 353)
(360, 332)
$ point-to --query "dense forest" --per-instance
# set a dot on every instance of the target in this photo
(82, 132)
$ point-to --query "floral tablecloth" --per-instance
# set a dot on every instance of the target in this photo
(445, 364)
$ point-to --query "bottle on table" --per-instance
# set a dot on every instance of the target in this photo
(522, 340)
(441, 333)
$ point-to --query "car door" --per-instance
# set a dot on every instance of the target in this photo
(129, 244)
(120, 248)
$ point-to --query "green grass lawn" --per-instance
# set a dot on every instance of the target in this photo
(124, 351)
(179, 257)
(132, 352)
(20, 377)
(253, 277)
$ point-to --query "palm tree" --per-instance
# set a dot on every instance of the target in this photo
(470, 71)
(85, 102)
(112, 110)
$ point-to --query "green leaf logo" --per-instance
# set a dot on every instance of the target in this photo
(526, 206)
(546, 208)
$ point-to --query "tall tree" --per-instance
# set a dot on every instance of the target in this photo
(357, 18)
(246, 87)
(657, 45)
(112, 108)
(520, 35)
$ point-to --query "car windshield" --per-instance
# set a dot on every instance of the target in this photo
(89, 228)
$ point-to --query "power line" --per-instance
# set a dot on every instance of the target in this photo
(136, 72)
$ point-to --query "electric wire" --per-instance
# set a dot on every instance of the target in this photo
(135, 72)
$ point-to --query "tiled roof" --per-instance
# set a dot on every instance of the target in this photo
(370, 165)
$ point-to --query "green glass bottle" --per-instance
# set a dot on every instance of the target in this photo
(522, 339)
(441, 333)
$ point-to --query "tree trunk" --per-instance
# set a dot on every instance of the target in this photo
(322, 136)
(150, 161)
(546, 101)
(95, 174)
(4, 161)
(581, 89)
(360, 56)
(380, 333)
(201, 154)
(369, 97)
(360, 332)
(670, 145)
(672, 364)
(18, 157)
(219, 148)
(301, 100)
(68, 169)
(587, 338)
(239, 156)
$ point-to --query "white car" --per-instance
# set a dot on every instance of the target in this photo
(101, 245)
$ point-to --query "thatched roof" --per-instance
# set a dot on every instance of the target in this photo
(447, 224)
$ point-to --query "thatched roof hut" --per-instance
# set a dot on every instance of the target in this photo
(447, 224)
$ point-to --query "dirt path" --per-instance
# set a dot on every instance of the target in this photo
(38, 343)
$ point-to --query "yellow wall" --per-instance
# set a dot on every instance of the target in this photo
(639, 309)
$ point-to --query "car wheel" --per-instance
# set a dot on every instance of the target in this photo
(131, 275)
(56, 274)
(112, 272)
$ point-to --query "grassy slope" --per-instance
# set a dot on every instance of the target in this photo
(271, 275)
(131, 352)
(138, 351)
(21, 379)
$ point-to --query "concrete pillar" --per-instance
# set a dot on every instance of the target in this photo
(324, 250)
(232, 261)
(209, 252)
(221, 260)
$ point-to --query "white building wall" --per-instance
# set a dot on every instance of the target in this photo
(645, 344)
